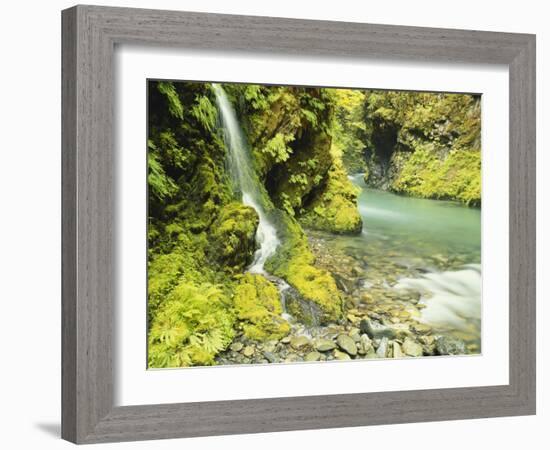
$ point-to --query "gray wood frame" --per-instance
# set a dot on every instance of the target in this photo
(89, 36)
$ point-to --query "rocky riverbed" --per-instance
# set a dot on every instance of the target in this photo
(381, 321)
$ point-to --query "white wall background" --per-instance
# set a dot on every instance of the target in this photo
(31, 208)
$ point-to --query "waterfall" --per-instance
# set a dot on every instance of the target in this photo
(245, 179)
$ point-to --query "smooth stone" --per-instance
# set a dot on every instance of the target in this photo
(411, 348)
(285, 340)
(347, 344)
(382, 349)
(375, 329)
(292, 358)
(397, 352)
(236, 346)
(270, 357)
(324, 345)
(341, 356)
(248, 351)
(365, 344)
(312, 356)
(421, 328)
(298, 342)
(447, 345)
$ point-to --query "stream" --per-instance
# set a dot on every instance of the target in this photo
(430, 248)
(415, 269)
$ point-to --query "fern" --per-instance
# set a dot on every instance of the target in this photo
(191, 327)
(174, 104)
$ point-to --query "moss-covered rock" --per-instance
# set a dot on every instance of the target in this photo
(258, 308)
(334, 208)
(232, 237)
(318, 301)
(425, 144)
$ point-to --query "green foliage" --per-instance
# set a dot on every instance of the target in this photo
(161, 185)
(191, 326)
(205, 112)
(429, 143)
(174, 104)
(277, 147)
(458, 176)
(258, 307)
(349, 127)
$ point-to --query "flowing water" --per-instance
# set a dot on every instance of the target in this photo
(246, 181)
(428, 247)
(431, 247)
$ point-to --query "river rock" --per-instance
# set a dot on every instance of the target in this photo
(397, 352)
(312, 356)
(236, 346)
(248, 351)
(447, 345)
(411, 348)
(270, 357)
(365, 345)
(382, 349)
(421, 328)
(285, 340)
(341, 356)
(376, 330)
(347, 344)
(299, 342)
(324, 345)
(292, 358)
(355, 334)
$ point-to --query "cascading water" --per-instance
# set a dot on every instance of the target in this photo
(245, 179)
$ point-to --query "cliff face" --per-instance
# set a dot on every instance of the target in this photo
(291, 132)
(424, 145)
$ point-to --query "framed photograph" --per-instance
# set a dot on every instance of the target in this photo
(278, 224)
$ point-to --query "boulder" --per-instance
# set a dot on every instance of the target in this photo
(347, 344)
(448, 345)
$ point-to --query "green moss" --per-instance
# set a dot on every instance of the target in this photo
(458, 176)
(232, 237)
(334, 207)
(425, 144)
(258, 307)
(319, 300)
(192, 325)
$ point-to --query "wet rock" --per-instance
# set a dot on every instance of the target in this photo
(248, 351)
(299, 342)
(421, 328)
(365, 345)
(341, 356)
(312, 356)
(447, 345)
(324, 345)
(376, 330)
(382, 350)
(236, 346)
(347, 344)
(285, 340)
(411, 348)
(292, 358)
(270, 357)
(397, 352)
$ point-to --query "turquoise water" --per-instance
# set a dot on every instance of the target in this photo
(432, 247)
(420, 228)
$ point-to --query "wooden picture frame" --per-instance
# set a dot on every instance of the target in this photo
(90, 34)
